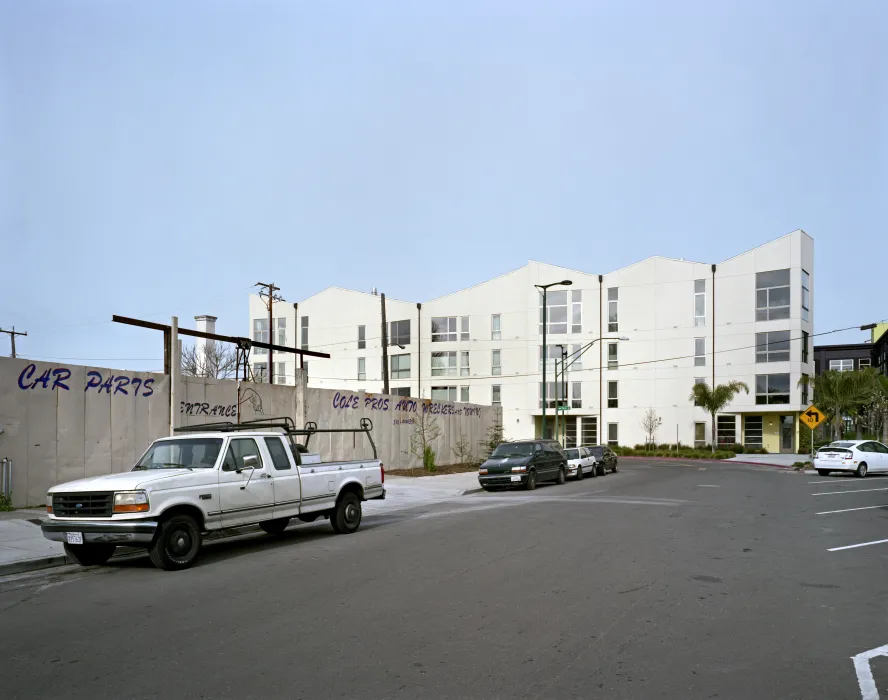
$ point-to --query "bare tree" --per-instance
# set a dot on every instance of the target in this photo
(650, 422)
(425, 431)
(212, 360)
(462, 450)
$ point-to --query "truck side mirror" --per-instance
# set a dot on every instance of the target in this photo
(250, 462)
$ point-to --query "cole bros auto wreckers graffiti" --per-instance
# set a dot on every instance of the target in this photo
(57, 379)
(355, 401)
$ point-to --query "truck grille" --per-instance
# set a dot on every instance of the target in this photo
(82, 505)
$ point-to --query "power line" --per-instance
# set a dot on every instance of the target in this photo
(12, 334)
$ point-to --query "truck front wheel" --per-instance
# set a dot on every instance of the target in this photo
(346, 517)
(90, 554)
(176, 543)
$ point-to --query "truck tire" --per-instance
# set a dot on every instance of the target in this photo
(275, 527)
(176, 543)
(562, 475)
(346, 517)
(90, 554)
(531, 482)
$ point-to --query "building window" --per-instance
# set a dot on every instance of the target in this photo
(443, 393)
(699, 302)
(864, 362)
(496, 367)
(444, 364)
(804, 346)
(726, 430)
(612, 398)
(464, 328)
(772, 347)
(806, 295)
(464, 394)
(752, 432)
(444, 329)
(280, 372)
(495, 330)
(698, 380)
(841, 365)
(260, 334)
(362, 369)
(772, 295)
(699, 352)
(576, 311)
(399, 332)
(464, 364)
(771, 388)
(552, 401)
(589, 430)
(260, 372)
(304, 329)
(699, 435)
(400, 391)
(570, 432)
(554, 353)
(576, 394)
(613, 434)
(613, 311)
(400, 366)
(362, 337)
(282, 331)
(612, 356)
(496, 394)
(804, 389)
(556, 303)
(575, 359)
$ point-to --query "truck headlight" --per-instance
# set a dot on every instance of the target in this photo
(130, 502)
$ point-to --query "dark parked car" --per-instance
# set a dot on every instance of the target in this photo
(524, 463)
(605, 458)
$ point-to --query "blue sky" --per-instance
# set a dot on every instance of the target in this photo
(159, 158)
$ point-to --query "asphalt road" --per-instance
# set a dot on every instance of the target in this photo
(660, 581)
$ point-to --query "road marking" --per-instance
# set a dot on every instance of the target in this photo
(848, 510)
(865, 678)
(708, 486)
(853, 546)
(830, 493)
(847, 480)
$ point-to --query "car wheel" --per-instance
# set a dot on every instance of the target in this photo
(580, 472)
(823, 472)
(90, 554)
(861, 469)
(176, 543)
(531, 482)
(275, 527)
(562, 475)
(346, 518)
(594, 471)
(614, 470)
(602, 469)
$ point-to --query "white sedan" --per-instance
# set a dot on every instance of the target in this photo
(579, 462)
(858, 456)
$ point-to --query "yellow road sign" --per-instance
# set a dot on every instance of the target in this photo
(812, 416)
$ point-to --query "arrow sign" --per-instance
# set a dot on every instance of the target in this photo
(812, 417)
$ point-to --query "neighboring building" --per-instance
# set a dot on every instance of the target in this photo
(748, 318)
(880, 348)
(842, 358)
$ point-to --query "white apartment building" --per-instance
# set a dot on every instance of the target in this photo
(748, 318)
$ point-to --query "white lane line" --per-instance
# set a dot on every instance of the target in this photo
(848, 510)
(845, 480)
(708, 486)
(865, 680)
(830, 493)
(854, 546)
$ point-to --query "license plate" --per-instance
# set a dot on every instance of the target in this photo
(74, 537)
(516, 478)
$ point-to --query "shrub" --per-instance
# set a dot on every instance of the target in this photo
(736, 448)
(428, 458)
(5, 503)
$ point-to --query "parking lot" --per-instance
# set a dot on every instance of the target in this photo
(664, 580)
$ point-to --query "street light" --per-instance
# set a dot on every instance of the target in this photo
(545, 287)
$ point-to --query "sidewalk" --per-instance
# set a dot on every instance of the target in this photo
(24, 548)
(771, 460)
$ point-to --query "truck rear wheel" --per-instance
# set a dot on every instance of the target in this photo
(90, 554)
(176, 543)
(275, 527)
(346, 517)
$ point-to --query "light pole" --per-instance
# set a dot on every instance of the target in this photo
(545, 288)
(558, 387)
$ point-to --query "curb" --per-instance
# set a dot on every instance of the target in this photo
(18, 567)
(475, 490)
(717, 461)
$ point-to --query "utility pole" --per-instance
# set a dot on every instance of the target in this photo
(385, 342)
(270, 296)
(12, 334)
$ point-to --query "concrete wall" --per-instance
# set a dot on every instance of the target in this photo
(63, 422)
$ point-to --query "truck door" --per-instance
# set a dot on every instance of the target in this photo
(246, 495)
(287, 487)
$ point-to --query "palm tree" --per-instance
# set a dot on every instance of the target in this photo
(843, 394)
(715, 400)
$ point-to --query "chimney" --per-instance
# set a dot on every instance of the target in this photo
(374, 292)
(205, 324)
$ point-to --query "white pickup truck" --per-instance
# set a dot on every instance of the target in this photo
(224, 476)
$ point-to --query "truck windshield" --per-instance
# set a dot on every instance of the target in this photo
(519, 449)
(191, 453)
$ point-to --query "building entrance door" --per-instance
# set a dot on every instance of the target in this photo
(787, 434)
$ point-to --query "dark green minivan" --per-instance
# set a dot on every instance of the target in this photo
(523, 463)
